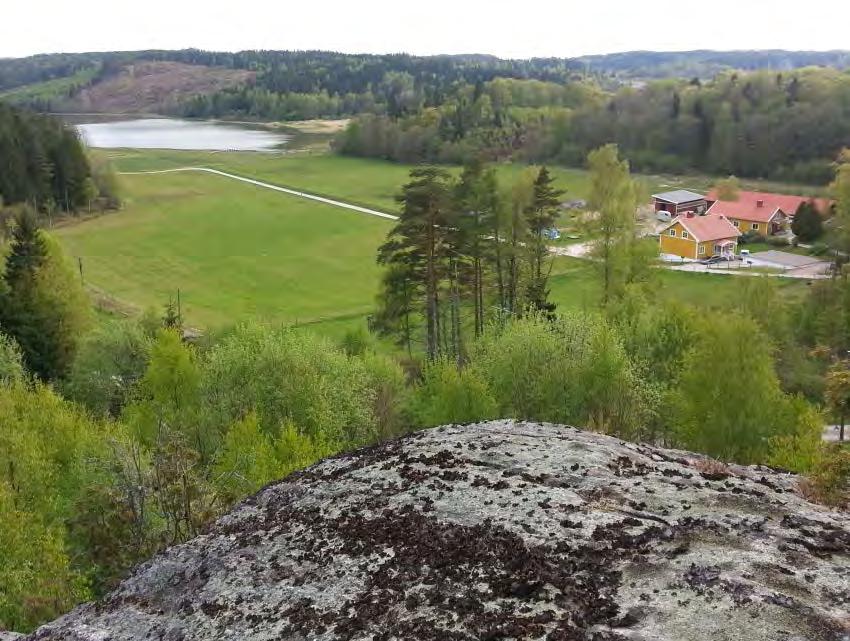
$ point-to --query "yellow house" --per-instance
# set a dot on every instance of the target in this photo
(754, 211)
(698, 237)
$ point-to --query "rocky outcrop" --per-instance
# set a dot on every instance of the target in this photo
(499, 530)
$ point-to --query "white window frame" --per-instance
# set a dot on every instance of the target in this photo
(754, 226)
(672, 233)
(701, 249)
(685, 235)
(736, 223)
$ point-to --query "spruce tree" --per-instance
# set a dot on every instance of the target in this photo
(541, 216)
(42, 305)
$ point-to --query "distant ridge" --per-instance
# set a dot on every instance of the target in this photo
(705, 63)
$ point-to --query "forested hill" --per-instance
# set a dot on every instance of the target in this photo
(286, 85)
(274, 85)
(707, 64)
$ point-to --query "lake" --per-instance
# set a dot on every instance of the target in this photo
(171, 133)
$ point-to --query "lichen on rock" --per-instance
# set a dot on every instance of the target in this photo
(499, 530)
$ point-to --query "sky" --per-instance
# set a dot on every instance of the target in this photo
(515, 28)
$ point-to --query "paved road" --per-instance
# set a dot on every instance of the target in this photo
(258, 183)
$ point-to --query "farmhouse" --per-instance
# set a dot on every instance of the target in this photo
(695, 237)
(679, 202)
(762, 212)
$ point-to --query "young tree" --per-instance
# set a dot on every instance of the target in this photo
(841, 192)
(730, 403)
(613, 196)
(728, 189)
(419, 242)
(807, 224)
(837, 393)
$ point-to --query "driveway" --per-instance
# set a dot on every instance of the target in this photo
(830, 433)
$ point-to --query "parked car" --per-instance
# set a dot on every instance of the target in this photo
(664, 216)
(551, 234)
(717, 258)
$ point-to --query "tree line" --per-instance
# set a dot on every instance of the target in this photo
(44, 165)
(786, 126)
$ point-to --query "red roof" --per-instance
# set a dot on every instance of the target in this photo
(708, 227)
(746, 207)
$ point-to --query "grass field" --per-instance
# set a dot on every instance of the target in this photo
(236, 251)
(373, 183)
(233, 250)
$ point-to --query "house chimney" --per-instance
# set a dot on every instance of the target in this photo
(759, 203)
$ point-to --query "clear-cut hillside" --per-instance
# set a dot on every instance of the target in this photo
(154, 86)
(500, 530)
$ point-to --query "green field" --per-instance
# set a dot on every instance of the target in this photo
(233, 250)
(237, 251)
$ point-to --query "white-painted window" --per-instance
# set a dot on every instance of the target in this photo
(673, 233)
(685, 235)
(702, 250)
(755, 226)
(736, 223)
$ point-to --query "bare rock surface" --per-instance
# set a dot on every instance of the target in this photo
(500, 530)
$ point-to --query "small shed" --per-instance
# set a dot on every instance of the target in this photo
(679, 201)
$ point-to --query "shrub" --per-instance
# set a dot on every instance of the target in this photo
(449, 394)
(751, 236)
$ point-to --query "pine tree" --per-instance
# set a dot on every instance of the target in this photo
(419, 243)
(477, 211)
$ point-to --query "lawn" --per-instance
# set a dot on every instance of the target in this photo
(234, 251)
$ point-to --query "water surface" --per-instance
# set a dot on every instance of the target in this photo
(170, 133)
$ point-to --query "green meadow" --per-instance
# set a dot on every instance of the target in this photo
(237, 251)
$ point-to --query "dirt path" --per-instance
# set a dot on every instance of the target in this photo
(264, 185)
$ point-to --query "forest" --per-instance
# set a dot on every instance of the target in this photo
(43, 165)
(784, 126)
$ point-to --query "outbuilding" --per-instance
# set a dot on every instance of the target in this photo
(679, 202)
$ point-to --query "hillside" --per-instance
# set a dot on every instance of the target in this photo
(498, 530)
(154, 87)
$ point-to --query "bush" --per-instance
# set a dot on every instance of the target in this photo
(751, 236)
(573, 371)
(448, 394)
(283, 374)
(11, 361)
